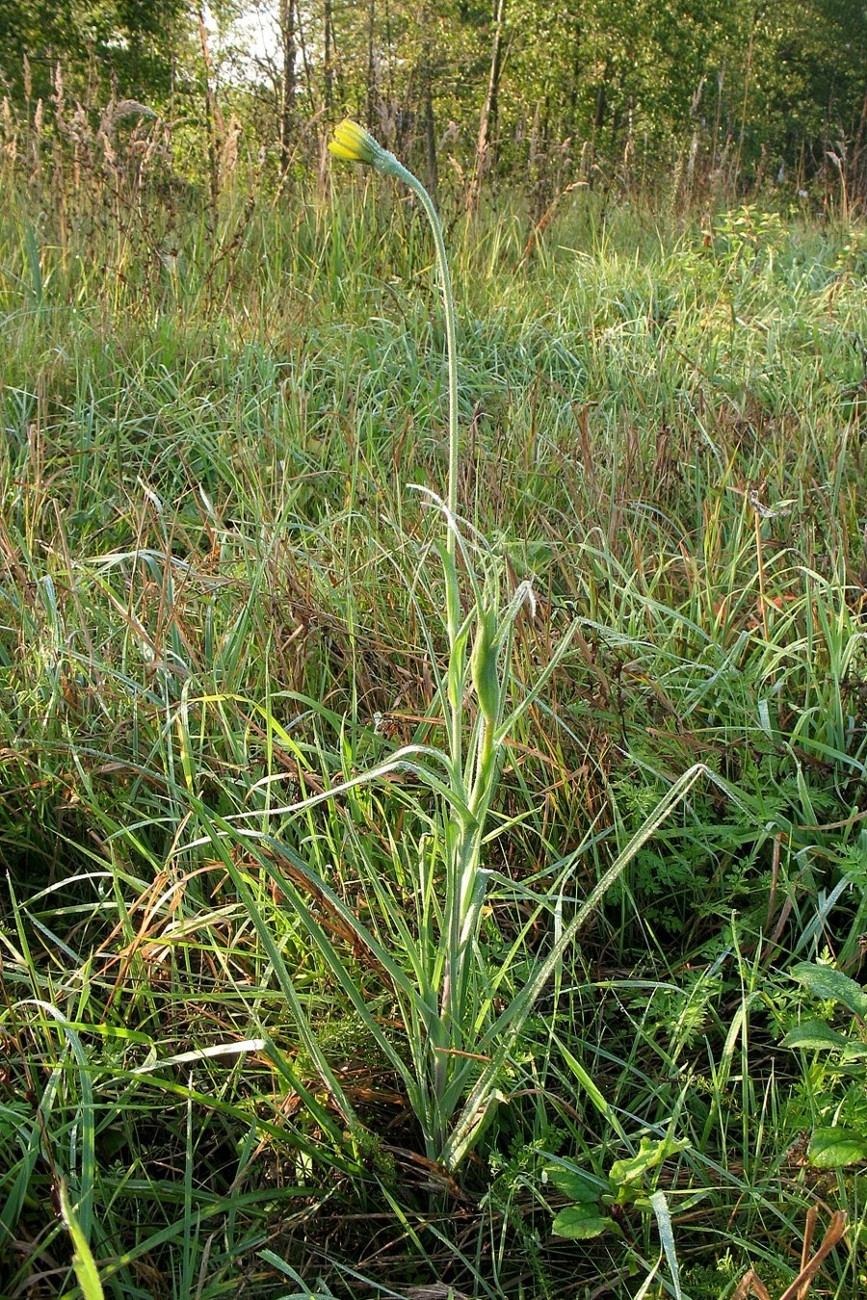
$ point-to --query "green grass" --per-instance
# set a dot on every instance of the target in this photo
(219, 597)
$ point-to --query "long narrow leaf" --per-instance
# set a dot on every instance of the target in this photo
(505, 1030)
(86, 1271)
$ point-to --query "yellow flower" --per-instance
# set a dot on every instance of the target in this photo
(354, 144)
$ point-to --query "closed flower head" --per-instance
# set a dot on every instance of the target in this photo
(353, 143)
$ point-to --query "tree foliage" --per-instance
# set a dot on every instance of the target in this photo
(543, 91)
(129, 45)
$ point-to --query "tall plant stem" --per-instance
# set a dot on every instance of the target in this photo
(451, 343)
(354, 144)
(453, 608)
(463, 851)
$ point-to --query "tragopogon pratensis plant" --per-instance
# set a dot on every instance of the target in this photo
(461, 1025)
(463, 1005)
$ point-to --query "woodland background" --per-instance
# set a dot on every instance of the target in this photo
(714, 97)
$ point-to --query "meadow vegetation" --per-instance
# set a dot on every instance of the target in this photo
(220, 599)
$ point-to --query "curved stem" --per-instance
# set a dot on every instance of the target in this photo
(451, 341)
(453, 609)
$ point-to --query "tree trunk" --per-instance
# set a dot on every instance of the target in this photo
(371, 63)
(328, 69)
(287, 85)
(599, 113)
(429, 128)
(488, 116)
(211, 112)
(575, 82)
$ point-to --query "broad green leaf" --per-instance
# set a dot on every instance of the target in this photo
(826, 982)
(575, 1184)
(650, 1154)
(833, 1148)
(815, 1035)
(581, 1222)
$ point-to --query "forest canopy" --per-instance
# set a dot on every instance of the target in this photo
(543, 92)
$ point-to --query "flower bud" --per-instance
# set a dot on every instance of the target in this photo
(354, 144)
